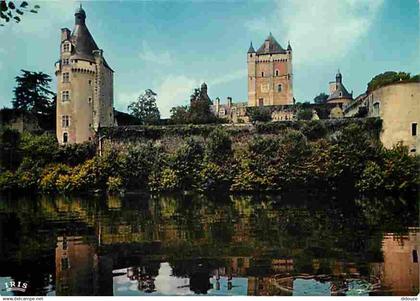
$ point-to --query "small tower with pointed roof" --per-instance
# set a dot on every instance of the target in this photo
(270, 74)
(84, 85)
(339, 93)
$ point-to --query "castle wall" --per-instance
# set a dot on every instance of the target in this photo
(399, 108)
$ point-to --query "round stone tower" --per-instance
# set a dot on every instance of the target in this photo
(84, 85)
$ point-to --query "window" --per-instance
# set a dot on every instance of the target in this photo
(414, 129)
(65, 95)
(66, 77)
(279, 88)
(65, 137)
(66, 47)
(65, 121)
(277, 72)
(90, 83)
(90, 99)
(262, 74)
(415, 256)
(261, 102)
(65, 61)
(376, 108)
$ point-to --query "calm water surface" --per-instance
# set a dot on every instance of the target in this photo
(187, 245)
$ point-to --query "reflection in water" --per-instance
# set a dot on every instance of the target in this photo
(189, 245)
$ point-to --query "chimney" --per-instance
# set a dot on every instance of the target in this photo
(229, 101)
(65, 34)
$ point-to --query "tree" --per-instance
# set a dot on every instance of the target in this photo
(199, 110)
(9, 11)
(387, 78)
(32, 93)
(180, 115)
(321, 98)
(145, 108)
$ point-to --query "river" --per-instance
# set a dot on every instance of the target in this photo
(135, 245)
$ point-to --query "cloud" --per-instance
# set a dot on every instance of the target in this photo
(150, 55)
(318, 30)
(238, 74)
(172, 91)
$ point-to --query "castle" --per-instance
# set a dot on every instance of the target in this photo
(84, 85)
(270, 74)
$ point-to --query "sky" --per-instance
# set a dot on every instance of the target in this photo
(172, 47)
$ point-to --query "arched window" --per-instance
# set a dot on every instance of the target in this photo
(65, 137)
(277, 72)
(279, 88)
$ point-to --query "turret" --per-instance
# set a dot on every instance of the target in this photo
(251, 49)
(338, 77)
(80, 16)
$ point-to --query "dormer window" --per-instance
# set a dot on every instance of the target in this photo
(66, 47)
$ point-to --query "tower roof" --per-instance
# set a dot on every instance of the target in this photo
(251, 49)
(270, 46)
(83, 42)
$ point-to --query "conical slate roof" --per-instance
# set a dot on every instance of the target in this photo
(270, 46)
(83, 42)
(251, 49)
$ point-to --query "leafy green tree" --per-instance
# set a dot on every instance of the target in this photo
(145, 108)
(199, 110)
(387, 78)
(10, 11)
(32, 93)
(180, 115)
(321, 98)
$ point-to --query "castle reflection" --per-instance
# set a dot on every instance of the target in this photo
(190, 245)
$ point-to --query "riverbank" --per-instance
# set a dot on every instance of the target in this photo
(274, 157)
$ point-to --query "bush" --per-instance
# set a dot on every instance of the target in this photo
(50, 176)
(166, 180)
(214, 177)
(219, 146)
(114, 184)
(7, 181)
(314, 130)
(261, 114)
(187, 163)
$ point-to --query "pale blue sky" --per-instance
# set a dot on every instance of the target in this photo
(173, 46)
